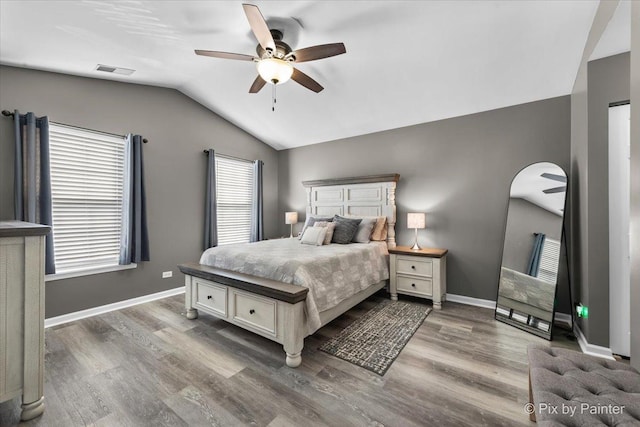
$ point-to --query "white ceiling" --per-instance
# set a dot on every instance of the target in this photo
(529, 184)
(407, 62)
(617, 35)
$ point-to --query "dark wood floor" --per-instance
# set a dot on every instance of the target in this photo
(149, 366)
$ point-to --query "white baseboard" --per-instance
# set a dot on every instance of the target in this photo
(485, 303)
(591, 349)
(83, 314)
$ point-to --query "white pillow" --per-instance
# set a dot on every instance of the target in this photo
(330, 226)
(311, 220)
(313, 236)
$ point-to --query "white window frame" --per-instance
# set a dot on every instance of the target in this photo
(69, 144)
(234, 195)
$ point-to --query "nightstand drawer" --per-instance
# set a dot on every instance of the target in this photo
(211, 298)
(255, 312)
(411, 265)
(414, 285)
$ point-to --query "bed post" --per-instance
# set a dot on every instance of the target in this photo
(309, 210)
(294, 334)
(191, 313)
(391, 217)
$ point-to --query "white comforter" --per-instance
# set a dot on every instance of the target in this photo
(332, 273)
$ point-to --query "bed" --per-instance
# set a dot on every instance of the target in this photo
(283, 290)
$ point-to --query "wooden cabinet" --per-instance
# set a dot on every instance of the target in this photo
(22, 314)
(421, 273)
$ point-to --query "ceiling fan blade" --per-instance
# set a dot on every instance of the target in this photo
(555, 177)
(306, 81)
(225, 55)
(560, 189)
(258, 84)
(318, 52)
(259, 27)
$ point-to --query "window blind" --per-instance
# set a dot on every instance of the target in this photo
(549, 260)
(87, 179)
(234, 181)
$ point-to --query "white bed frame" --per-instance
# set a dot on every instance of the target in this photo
(274, 309)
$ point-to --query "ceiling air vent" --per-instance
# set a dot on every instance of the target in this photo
(115, 70)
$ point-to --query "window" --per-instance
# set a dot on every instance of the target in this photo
(234, 192)
(87, 181)
(549, 259)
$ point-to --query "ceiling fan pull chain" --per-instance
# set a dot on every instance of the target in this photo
(273, 98)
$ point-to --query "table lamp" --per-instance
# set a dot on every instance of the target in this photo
(416, 220)
(291, 218)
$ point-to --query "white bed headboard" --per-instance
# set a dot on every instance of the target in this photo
(373, 195)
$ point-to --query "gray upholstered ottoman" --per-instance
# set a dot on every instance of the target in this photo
(573, 389)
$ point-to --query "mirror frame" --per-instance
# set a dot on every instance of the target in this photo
(563, 244)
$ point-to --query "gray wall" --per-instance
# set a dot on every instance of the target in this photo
(635, 183)
(523, 220)
(458, 171)
(598, 83)
(178, 129)
(608, 81)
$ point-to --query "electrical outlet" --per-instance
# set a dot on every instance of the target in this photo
(582, 311)
(167, 274)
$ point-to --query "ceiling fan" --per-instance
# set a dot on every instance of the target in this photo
(555, 177)
(275, 58)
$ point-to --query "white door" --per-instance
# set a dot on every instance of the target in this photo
(619, 251)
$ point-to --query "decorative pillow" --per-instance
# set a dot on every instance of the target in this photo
(379, 232)
(365, 228)
(330, 226)
(346, 228)
(380, 229)
(312, 220)
(314, 236)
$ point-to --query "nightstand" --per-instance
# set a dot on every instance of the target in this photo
(421, 273)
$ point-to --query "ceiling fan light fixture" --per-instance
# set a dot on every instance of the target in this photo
(275, 71)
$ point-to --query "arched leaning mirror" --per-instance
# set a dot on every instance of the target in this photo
(531, 254)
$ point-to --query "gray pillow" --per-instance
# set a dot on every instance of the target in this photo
(363, 235)
(312, 220)
(346, 228)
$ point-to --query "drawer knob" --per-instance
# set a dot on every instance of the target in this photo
(209, 297)
(413, 284)
(413, 267)
(252, 311)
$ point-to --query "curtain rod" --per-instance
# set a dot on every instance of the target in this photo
(8, 113)
(227, 156)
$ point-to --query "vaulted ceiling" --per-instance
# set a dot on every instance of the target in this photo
(407, 62)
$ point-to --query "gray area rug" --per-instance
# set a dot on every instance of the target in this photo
(376, 339)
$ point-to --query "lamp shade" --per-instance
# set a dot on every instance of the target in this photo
(274, 71)
(291, 217)
(416, 220)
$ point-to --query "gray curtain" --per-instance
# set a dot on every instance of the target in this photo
(134, 246)
(32, 177)
(536, 253)
(210, 206)
(257, 223)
